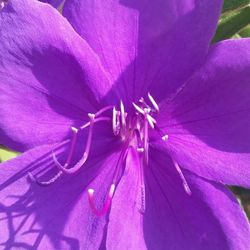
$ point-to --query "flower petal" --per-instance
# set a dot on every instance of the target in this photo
(208, 122)
(54, 3)
(49, 77)
(125, 228)
(210, 218)
(146, 43)
(54, 217)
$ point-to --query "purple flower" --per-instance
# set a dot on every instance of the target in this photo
(129, 122)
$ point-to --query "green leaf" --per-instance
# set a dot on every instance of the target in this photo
(232, 23)
(6, 154)
(245, 32)
(234, 4)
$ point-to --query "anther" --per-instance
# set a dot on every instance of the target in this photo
(107, 204)
(140, 110)
(145, 139)
(45, 183)
(143, 103)
(184, 182)
(99, 118)
(91, 116)
(114, 122)
(81, 162)
(151, 120)
(123, 118)
(147, 110)
(71, 151)
(140, 150)
(2, 3)
(142, 196)
(72, 146)
(141, 100)
(165, 137)
(142, 206)
(152, 100)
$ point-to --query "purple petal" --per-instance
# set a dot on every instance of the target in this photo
(146, 43)
(208, 122)
(210, 218)
(54, 3)
(50, 78)
(125, 228)
(57, 216)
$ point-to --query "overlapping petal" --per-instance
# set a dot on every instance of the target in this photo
(146, 44)
(57, 216)
(209, 218)
(49, 77)
(125, 227)
(54, 3)
(208, 122)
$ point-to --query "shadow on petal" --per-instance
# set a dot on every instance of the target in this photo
(57, 216)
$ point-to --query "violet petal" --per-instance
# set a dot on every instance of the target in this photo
(209, 218)
(58, 216)
(55, 3)
(49, 75)
(208, 121)
(146, 44)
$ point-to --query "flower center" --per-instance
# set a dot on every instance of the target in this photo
(133, 130)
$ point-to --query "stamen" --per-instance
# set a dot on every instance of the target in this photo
(145, 139)
(123, 119)
(147, 110)
(165, 137)
(139, 139)
(2, 3)
(103, 110)
(142, 206)
(140, 110)
(152, 100)
(141, 100)
(144, 104)
(184, 182)
(104, 118)
(140, 150)
(81, 162)
(45, 183)
(142, 203)
(71, 151)
(72, 146)
(107, 203)
(150, 120)
(114, 122)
